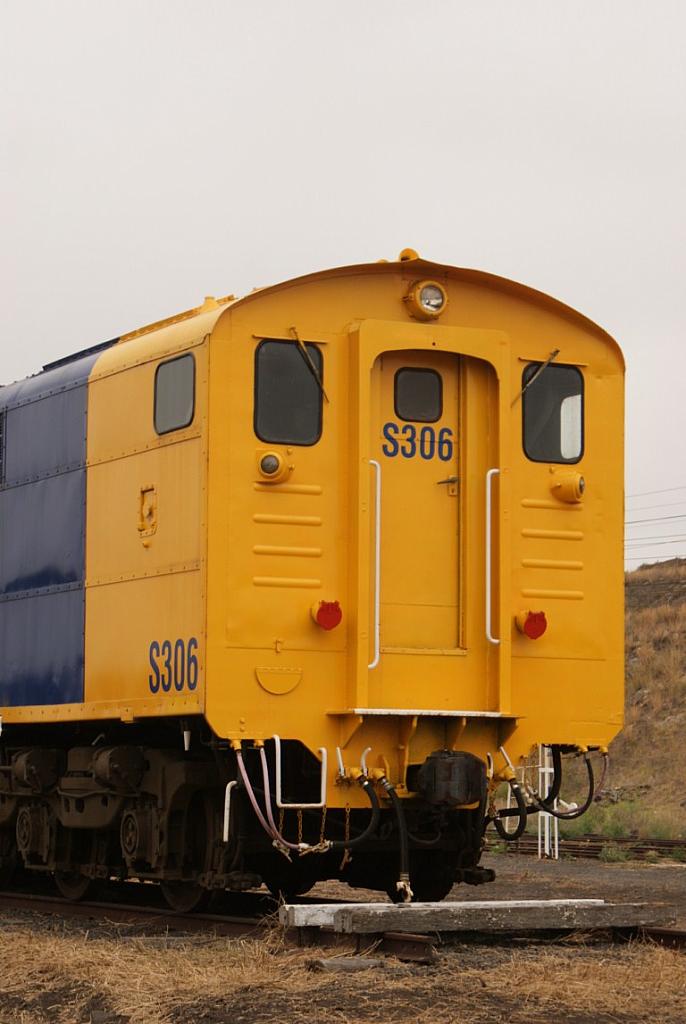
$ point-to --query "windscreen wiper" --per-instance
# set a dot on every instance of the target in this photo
(553, 355)
(302, 348)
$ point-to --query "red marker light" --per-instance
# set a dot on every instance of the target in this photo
(327, 614)
(535, 625)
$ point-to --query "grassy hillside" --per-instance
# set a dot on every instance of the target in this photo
(646, 791)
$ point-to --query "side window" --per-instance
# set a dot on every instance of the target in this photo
(553, 413)
(174, 394)
(288, 393)
(418, 395)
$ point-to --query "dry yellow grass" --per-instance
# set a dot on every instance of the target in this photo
(649, 757)
(70, 978)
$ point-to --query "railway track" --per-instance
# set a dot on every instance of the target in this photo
(596, 846)
(148, 918)
(258, 917)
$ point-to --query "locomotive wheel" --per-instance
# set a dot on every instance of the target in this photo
(73, 885)
(7, 871)
(8, 860)
(185, 897)
(287, 890)
(291, 880)
(6, 876)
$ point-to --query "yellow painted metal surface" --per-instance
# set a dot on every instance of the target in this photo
(187, 539)
(146, 515)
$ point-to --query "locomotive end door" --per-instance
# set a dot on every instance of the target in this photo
(431, 426)
(418, 449)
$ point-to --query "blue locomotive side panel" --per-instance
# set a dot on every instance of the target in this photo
(42, 535)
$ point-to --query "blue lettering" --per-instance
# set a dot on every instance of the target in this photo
(409, 448)
(427, 442)
(390, 432)
(192, 664)
(179, 664)
(154, 680)
(445, 444)
(167, 655)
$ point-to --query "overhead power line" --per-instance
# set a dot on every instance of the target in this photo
(655, 537)
(650, 554)
(664, 490)
(662, 504)
(654, 519)
(650, 543)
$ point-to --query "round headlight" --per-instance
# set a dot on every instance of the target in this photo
(426, 300)
(432, 298)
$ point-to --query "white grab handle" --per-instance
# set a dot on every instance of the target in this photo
(377, 564)
(280, 803)
(489, 554)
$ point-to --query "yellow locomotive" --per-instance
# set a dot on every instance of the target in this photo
(290, 583)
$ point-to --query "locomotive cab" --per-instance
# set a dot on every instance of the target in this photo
(345, 546)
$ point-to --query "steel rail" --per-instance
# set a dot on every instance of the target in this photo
(592, 846)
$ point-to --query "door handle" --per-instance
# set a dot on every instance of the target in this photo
(449, 480)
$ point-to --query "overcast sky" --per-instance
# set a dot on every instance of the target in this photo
(156, 151)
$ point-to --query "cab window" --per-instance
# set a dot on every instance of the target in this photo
(288, 393)
(174, 394)
(553, 413)
(418, 395)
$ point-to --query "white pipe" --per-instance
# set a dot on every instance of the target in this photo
(489, 540)
(377, 564)
(322, 793)
(230, 786)
(363, 761)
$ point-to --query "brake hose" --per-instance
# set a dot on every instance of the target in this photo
(403, 883)
(603, 778)
(521, 810)
(348, 844)
(543, 805)
(554, 791)
(270, 825)
(327, 844)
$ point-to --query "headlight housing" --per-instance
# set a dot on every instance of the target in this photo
(426, 300)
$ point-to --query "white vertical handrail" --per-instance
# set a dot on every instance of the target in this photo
(230, 786)
(280, 803)
(489, 554)
(548, 825)
(377, 564)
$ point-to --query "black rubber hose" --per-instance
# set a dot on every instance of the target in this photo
(348, 844)
(402, 830)
(601, 785)
(514, 812)
(425, 842)
(341, 844)
(554, 791)
(510, 837)
(570, 815)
